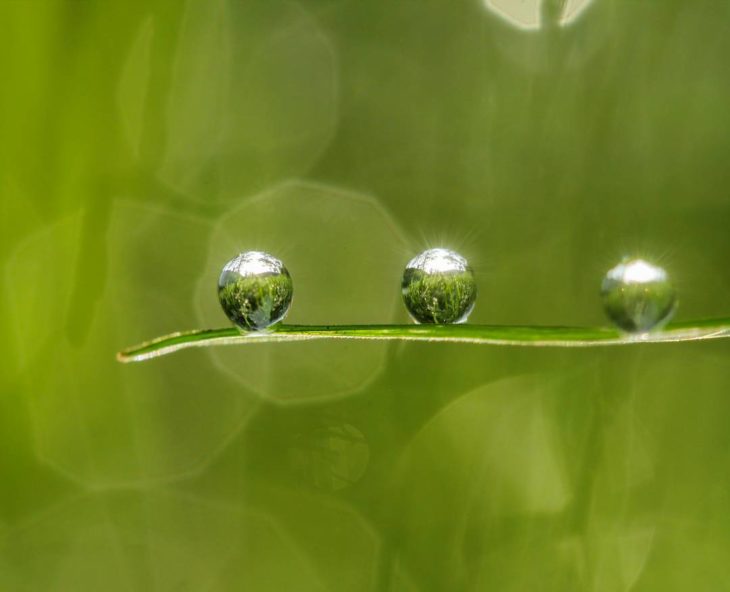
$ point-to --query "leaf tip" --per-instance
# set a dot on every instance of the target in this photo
(124, 357)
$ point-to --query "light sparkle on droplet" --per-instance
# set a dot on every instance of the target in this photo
(252, 263)
(637, 271)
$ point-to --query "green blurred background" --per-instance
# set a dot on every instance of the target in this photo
(142, 144)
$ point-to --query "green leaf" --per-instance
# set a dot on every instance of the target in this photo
(514, 335)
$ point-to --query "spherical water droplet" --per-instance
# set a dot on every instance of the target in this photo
(638, 296)
(439, 287)
(255, 290)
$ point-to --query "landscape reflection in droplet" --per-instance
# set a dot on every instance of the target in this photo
(255, 290)
(438, 287)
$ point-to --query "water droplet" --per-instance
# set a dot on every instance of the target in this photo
(439, 287)
(255, 290)
(638, 296)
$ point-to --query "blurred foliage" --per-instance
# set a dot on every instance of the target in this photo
(144, 143)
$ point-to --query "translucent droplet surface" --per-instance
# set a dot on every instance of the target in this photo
(638, 296)
(439, 287)
(255, 290)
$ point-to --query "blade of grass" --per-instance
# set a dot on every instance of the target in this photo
(479, 334)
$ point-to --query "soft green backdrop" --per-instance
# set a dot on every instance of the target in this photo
(142, 144)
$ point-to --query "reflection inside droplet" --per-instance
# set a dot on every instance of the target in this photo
(330, 457)
(532, 15)
(638, 296)
(438, 287)
(572, 10)
(255, 290)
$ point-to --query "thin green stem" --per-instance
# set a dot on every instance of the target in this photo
(478, 334)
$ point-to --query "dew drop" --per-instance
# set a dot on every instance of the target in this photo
(638, 296)
(255, 290)
(439, 287)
